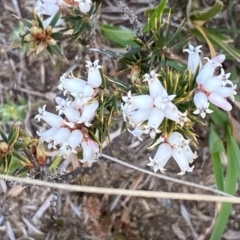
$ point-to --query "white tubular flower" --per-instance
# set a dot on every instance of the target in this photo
(65, 108)
(138, 116)
(50, 7)
(84, 96)
(212, 84)
(155, 118)
(52, 119)
(94, 77)
(137, 132)
(163, 100)
(225, 78)
(161, 157)
(175, 138)
(90, 151)
(71, 84)
(61, 136)
(181, 152)
(193, 58)
(208, 69)
(84, 5)
(219, 101)
(139, 101)
(46, 136)
(155, 86)
(201, 102)
(226, 91)
(88, 113)
(181, 159)
(70, 145)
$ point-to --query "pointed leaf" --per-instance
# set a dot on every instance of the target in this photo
(55, 19)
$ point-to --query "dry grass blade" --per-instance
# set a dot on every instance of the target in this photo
(127, 192)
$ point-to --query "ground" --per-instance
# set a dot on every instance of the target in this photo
(26, 213)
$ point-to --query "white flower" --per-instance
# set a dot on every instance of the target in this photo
(61, 135)
(137, 132)
(225, 78)
(52, 119)
(155, 86)
(64, 107)
(139, 101)
(154, 120)
(219, 101)
(201, 102)
(177, 147)
(46, 136)
(88, 113)
(71, 84)
(70, 145)
(161, 157)
(193, 58)
(84, 5)
(50, 7)
(90, 151)
(94, 77)
(163, 100)
(83, 96)
(138, 116)
(208, 69)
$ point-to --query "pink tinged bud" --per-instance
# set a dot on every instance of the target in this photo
(161, 157)
(155, 86)
(182, 160)
(209, 68)
(47, 135)
(88, 113)
(201, 102)
(94, 77)
(84, 5)
(163, 100)
(226, 91)
(219, 101)
(193, 58)
(90, 151)
(213, 83)
(61, 135)
(75, 138)
(138, 116)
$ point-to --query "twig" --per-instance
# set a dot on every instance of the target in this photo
(126, 192)
(165, 177)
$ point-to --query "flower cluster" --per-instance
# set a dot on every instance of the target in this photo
(210, 88)
(69, 129)
(173, 146)
(145, 113)
(50, 7)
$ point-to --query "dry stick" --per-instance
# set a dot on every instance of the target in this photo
(127, 192)
(165, 177)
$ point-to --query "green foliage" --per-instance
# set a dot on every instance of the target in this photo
(13, 110)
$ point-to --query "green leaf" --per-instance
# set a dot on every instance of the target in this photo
(235, 155)
(216, 147)
(230, 187)
(206, 14)
(26, 22)
(13, 135)
(38, 19)
(2, 134)
(55, 19)
(155, 16)
(218, 116)
(120, 36)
